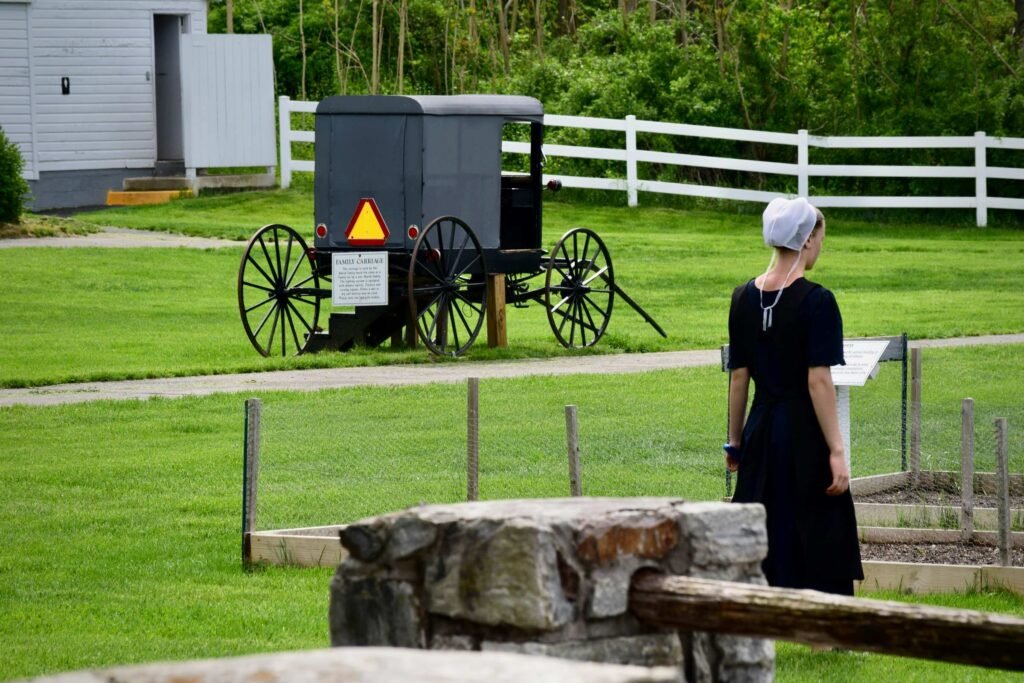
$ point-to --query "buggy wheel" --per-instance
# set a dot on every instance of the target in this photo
(278, 294)
(578, 289)
(446, 286)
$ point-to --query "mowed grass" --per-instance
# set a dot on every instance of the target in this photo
(121, 520)
(90, 314)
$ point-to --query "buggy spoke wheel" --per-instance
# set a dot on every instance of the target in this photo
(277, 319)
(446, 288)
(578, 288)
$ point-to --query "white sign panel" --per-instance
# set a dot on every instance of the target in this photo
(359, 278)
(862, 356)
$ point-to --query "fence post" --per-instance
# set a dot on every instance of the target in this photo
(803, 160)
(284, 116)
(1003, 492)
(473, 439)
(915, 416)
(250, 475)
(572, 438)
(967, 469)
(981, 178)
(631, 174)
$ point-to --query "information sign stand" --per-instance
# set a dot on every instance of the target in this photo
(862, 357)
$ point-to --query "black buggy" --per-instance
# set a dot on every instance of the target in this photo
(417, 227)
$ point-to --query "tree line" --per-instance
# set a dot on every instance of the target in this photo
(834, 67)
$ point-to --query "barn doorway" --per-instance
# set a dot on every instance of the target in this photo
(167, 30)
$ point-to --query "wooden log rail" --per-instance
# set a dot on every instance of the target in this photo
(813, 618)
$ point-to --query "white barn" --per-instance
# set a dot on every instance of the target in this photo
(97, 91)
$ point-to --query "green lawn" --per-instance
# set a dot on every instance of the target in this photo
(84, 314)
(121, 520)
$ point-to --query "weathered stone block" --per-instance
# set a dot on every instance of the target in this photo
(408, 536)
(453, 642)
(376, 665)
(721, 535)
(655, 649)
(498, 574)
(609, 593)
(364, 542)
(645, 535)
(375, 612)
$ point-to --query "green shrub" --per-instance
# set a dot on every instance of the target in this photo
(13, 187)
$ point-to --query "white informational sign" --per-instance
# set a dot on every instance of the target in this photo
(359, 278)
(862, 356)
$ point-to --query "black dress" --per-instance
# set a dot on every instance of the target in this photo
(812, 537)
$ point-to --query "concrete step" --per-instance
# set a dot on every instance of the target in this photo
(137, 198)
(156, 183)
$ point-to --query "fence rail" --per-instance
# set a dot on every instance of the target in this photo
(939, 633)
(801, 169)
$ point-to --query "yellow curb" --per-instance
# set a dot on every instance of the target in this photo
(136, 198)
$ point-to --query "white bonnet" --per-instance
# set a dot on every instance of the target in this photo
(788, 222)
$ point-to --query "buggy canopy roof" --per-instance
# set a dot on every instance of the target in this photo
(508, 106)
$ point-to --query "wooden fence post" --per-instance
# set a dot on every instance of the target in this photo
(250, 475)
(284, 116)
(967, 469)
(497, 331)
(1003, 492)
(473, 439)
(573, 442)
(915, 416)
(631, 172)
(803, 161)
(981, 177)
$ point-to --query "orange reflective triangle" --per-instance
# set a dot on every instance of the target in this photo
(367, 227)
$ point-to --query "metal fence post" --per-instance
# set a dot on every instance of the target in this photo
(284, 115)
(803, 157)
(981, 178)
(631, 174)
(250, 475)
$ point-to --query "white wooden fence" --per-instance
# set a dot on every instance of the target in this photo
(803, 170)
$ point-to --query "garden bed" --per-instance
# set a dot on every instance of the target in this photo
(890, 500)
(911, 538)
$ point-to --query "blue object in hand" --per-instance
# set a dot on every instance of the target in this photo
(733, 452)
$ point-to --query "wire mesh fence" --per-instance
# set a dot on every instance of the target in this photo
(335, 457)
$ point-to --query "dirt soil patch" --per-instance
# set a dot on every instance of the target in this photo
(938, 553)
(934, 496)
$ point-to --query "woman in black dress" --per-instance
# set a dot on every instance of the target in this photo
(784, 334)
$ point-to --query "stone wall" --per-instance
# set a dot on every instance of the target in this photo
(547, 577)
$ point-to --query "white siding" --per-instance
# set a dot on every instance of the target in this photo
(228, 93)
(15, 100)
(106, 48)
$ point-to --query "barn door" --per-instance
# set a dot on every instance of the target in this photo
(228, 101)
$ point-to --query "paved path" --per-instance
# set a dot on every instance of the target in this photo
(425, 373)
(120, 238)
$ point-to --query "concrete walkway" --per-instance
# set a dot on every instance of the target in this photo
(391, 375)
(121, 238)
